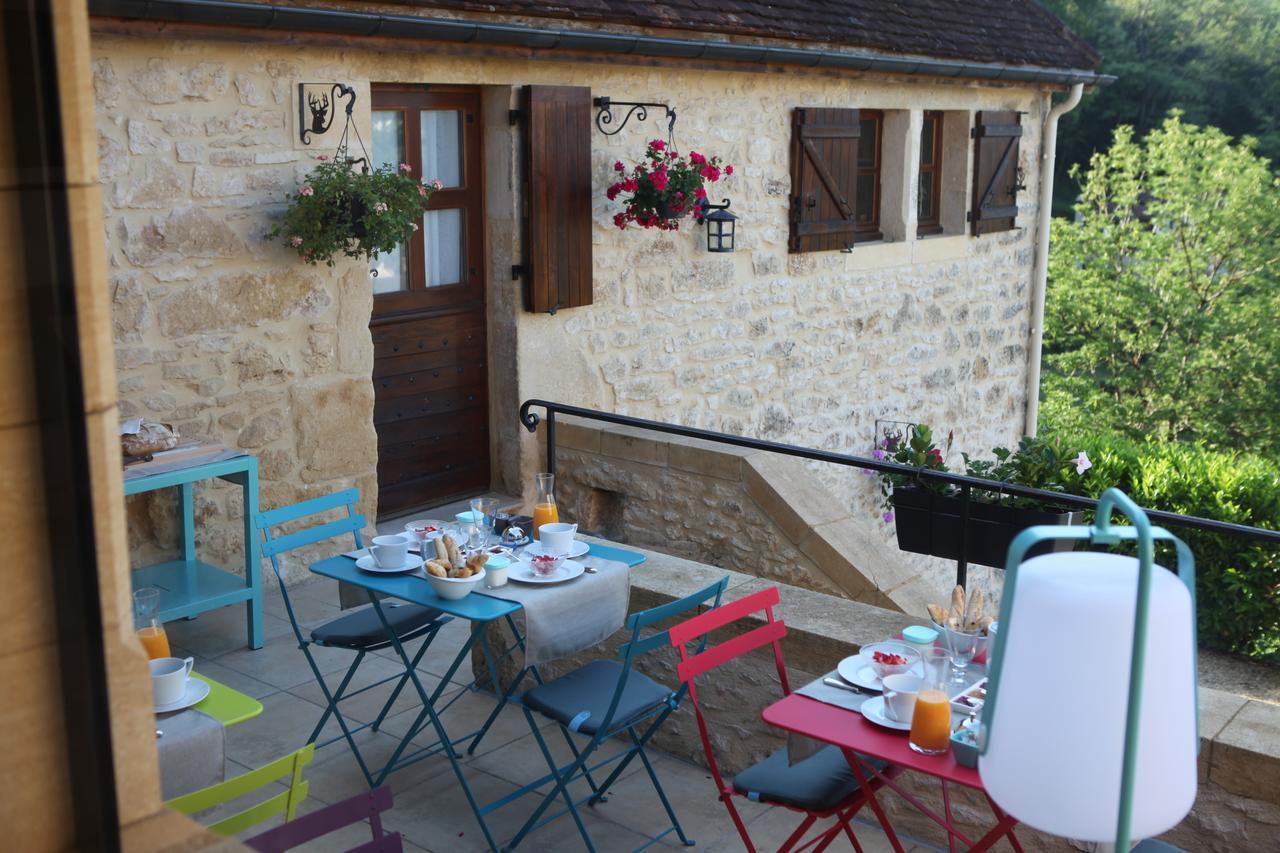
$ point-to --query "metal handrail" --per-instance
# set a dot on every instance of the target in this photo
(965, 483)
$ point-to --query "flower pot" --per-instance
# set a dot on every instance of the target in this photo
(358, 211)
(930, 523)
(665, 211)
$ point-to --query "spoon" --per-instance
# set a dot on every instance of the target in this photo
(852, 688)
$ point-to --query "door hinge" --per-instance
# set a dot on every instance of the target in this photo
(518, 270)
(515, 116)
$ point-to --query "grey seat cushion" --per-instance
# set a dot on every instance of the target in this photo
(819, 783)
(363, 629)
(589, 690)
(1151, 845)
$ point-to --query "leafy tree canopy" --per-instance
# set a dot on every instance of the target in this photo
(1216, 60)
(1164, 294)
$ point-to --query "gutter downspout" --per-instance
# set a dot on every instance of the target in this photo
(1049, 153)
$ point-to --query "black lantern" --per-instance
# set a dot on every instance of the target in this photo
(720, 226)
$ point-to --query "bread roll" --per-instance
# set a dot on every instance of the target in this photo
(437, 568)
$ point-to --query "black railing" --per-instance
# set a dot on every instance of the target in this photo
(964, 483)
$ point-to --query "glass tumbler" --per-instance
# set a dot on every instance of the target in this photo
(931, 719)
(146, 620)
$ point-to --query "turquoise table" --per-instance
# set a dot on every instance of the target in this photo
(188, 586)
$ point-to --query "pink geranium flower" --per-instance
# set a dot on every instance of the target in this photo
(617, 166)
(658, 145)
(422, 191)
(322, 156)
(380, 207)
(696, 159)
(1082, 462)
(728, 169)
(406, 168)
(306, 190)
(659, 180)
(437, 184)
(295, 241)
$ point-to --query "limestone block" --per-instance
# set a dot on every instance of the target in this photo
(189, 152)
(205, 81)
(159, 185)
(144, 140)
(113, 158)
(262, 430)
(243, 120)
(241, 299)
(157, 83)
(212, 182)
(1254, 730)
(179, 124)
(247, 91)
(333, 420)
(130, 308)
(106, 86)
(185, 232)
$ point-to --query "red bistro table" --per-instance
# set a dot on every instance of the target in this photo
(855, 737)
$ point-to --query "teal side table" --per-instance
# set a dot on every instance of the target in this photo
(188, 586)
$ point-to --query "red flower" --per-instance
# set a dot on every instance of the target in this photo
(613, 191)
(659, 180)
(658, 145)
(620, 220)
(618, 167)
(700, 192)
(934, 456)
(630, 185)
(711, 173)
(696, 159)
(728, 170)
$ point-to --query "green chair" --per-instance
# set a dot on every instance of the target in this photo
(285, 802)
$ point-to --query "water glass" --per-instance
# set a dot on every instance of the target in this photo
(963, 647)
(483, 511)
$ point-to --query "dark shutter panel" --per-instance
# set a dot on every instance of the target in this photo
(557, 184)
(824, 177)
(995, 171)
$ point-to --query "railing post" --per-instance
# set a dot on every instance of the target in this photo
(962, 565)
(551, 441)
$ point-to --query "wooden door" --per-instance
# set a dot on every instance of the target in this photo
(430, 375)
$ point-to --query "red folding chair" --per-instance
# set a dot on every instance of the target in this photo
(820, 786)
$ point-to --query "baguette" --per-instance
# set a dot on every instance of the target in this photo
(938, 614)
(956, 616)
(442, 552)
(455, 555)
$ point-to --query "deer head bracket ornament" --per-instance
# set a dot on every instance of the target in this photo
(318, 105)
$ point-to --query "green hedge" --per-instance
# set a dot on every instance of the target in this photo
(1237, 580)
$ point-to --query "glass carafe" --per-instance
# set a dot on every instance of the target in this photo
(544, 505)
(931, 719)
(146, 619)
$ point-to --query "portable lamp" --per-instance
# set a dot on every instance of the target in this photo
(1090, 728)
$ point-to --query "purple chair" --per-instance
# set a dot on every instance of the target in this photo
(366, 806)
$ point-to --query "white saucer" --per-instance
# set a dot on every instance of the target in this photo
(412, 563)
(857, 670)
(523, 572)
(195, 692)
(873, 710)
(579, 548)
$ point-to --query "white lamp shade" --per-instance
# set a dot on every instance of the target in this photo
(1056, 745)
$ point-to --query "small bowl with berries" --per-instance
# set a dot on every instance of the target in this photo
(890, 658)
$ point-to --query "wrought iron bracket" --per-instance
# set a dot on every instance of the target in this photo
(322, 110)
(605, 118)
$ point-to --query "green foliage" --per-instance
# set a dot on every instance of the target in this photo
(1160, 314)
(1213, 59)
(1038, 462)
(917, 451)
(360, 214)
(1237, 580)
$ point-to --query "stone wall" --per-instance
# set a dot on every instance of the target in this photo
(1237, 807)
(224, 334)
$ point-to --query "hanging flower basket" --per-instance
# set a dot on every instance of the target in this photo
(340, 210)
(664, 187)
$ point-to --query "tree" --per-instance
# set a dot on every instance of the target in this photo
(1213, 59)
(1163, 309)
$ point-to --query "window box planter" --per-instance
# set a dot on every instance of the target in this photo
(929, 523)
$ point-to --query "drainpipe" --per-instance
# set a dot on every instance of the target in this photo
(1049, 153)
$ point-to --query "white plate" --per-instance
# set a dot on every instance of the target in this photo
(873, 710)
(367, 564)
(857, 670)
(579, 548)
(523, 572)
(195, 692)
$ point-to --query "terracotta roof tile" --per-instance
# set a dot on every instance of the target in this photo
(1006, 31)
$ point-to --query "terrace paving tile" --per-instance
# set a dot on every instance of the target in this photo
(281, 664)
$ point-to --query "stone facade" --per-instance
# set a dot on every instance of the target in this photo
(224, 334)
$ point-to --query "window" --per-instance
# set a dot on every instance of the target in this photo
(929, 186)
(434, 133)
(867, 197)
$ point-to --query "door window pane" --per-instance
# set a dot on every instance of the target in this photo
(865, 201)
(868, 131)
(926, 142)
(442, 146)
(388, 149)
(443, 244)
(925, 209)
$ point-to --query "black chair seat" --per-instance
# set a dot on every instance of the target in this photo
(819, 783)
(588, 690)
(363, 630)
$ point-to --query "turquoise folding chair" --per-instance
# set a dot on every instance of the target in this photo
(605, 699)
(360, 631)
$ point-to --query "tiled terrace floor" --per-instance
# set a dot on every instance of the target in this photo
(430, 810)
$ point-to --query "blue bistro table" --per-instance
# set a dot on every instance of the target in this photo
(189, 586)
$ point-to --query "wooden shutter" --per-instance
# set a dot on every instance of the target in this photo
(557, 197)
(995, 171)
(824, 174)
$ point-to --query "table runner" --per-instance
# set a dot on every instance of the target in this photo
(192, 752)
(565, 618)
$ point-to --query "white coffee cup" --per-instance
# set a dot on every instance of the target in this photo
(390, 552)
(169, 679)
(557, 538)
(900, 693)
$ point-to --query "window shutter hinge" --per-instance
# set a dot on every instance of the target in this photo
(518, 270)
(515, 116)
(973, 133)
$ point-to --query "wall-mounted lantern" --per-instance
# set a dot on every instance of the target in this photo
(721, 225)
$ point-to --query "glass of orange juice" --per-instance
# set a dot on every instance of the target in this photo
(146, 619)
(544, 507)
(931, 720)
